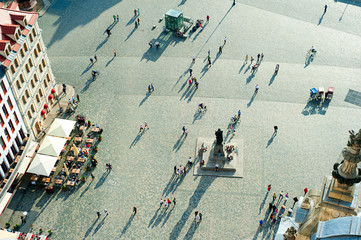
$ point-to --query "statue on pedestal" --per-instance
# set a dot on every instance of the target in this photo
(219, 136)
(347, 172)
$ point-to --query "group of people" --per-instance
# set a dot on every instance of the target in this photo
(142, 129)
(167, 202)
(180, 170)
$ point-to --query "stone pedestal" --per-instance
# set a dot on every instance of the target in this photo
(217, 154)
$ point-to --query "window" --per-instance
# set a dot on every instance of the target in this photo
(1, 121)
(7, 134)
(16, 63)
(22, 135)
(26, 47)
(27, 93)
(18, 84)
(4, 167)
(36, 78)
(11, 125)
(40, 93)
(12, 69)
(31, 37)
(7, 52)
(5, 111)
(32, 83)
(32, 108)
(2, 143)
(34, 33)
(3, 87)
(27, 68)
(37, 98)
(38, 47)
(41, 68)
(31, 62)
(16, 119)
(1, 98)
(24, 99)
(29, 115)
(45, 84)
(9, 158)
(10, 104)
(18, 143)
(13, 149)
(22, 78)
(22, 54)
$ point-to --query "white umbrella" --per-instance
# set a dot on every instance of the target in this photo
(25, 213)
(42, 165)
(52, 146)
(61, 128)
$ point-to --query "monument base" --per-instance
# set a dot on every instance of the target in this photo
(227, 168)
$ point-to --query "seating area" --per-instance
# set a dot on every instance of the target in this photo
(77, 157)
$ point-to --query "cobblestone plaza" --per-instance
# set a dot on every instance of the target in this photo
(309, 140)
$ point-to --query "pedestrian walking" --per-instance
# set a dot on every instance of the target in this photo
(209, 62)
(325, 9)
(220, 49)
(169, 201)
(134, 210)
(138, 20)
(149, 88)
(108, 32)
(175, 169)
(135, 24)
(207, 18)
(274, 196)
(190, 81)
(197, 218)
(105, 212)
(195, 213)
(286, 196)
(73, 99)
(295, 199)
(224, 40)
(190, 71)
(98, 214)
(275, 128)
(152, 87)
(270, 206)
(161, 202)
(146, 125)
(95, 57)
(281, 195)
(239, 114)
(245, 61)
(186, 132)
(150, 44)
(92, 61)
(262, 56)
(174, 201)
(141, 128)
(183, 129)
(274, 220)
(258, 56)
(269, 187)
(117, 18)
(305, 191)
(256, 88)
(114, 18)
(92, 176)
(252, 59)
(193, 59)
(157, 44)
(165, 203)
(115, 52)
(138, 10)
(196, 83)
(260, 221)
(135, 12)
(77, 97)
(22, 219)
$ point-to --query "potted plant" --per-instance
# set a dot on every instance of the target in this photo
(16, 227)
(100, 138)
(95, 149)
(40, 231)
(87, 168)
(49, 232)
(63, 188)
(7, 225)
(83, 178)
(92, 156)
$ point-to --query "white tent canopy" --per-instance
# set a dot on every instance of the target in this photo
(61, 128)
(52, 146)
(42, 165)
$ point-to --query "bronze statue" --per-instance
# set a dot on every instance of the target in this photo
(219, 136)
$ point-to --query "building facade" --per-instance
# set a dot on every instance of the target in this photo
(12, 127)
(25, 62)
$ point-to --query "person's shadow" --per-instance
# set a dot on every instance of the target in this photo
(127, 225)
(272, 79)
(144, 99)
(252, 99)
(271, 139)
(321, 18)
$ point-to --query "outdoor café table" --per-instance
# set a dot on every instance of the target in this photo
(84, 150)
(34, 178)
(81, 160)
(75, 171)
(89, 140)
(59, 181)
(77, 139)
(46, 180)
(82, 128)
(11, 170)
(70, 183)
(95, 129)
(69, 158)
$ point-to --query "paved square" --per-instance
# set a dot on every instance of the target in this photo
(299, 156)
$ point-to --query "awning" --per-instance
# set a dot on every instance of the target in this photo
(24, 165)
(42, 165)
(52, 146)
(5, 235)
(61, 128)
